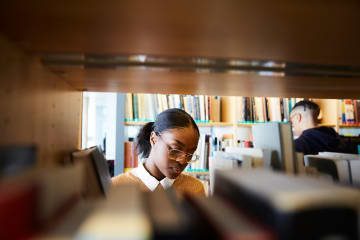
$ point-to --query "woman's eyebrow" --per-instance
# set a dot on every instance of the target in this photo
(183, 145)
(179, 142)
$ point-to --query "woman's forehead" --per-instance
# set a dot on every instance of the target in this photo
(186, 135)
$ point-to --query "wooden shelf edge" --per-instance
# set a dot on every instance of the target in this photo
(214, 124)
(135, 123)
(349, 126)
(326, 125)
(245, 124)
(196, 172)
(229, 124)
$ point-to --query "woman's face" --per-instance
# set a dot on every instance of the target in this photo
(183, 139)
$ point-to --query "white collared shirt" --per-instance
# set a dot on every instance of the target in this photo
(149, 180)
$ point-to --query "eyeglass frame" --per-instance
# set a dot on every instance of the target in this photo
(187, 155)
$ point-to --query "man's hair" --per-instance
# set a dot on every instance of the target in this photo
(307, 105)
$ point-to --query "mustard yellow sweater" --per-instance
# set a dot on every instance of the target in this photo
(182, 184)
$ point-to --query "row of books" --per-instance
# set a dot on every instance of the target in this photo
(264, 109)
(246, 204)
(349, 112)
(145, 107)
(34, 200)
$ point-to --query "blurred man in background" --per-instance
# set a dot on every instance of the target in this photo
(312, 139)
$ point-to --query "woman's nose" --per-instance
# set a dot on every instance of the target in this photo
(181, 160)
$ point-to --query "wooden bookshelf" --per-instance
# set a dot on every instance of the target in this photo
(39, 107)
(71, 35)
(43, 107)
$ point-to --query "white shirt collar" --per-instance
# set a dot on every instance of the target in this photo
(149, 180)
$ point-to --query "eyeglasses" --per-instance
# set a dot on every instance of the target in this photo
(178, 155)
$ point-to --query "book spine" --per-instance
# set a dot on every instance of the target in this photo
(358, 111)
(182, 104)
(196, 107)
(343, 119)
(140, 101)
(207, 116)
(127, 155)
(191, 106)
(129, 107)
(217, 109)
(266, 105)
(202, 107)
(349, 111)
(211, 108)
(135, 107)
(356, 119)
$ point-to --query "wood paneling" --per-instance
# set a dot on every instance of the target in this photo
(322, 32)
(37, 107)
(316, 32)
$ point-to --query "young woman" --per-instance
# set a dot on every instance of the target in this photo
(167, 145)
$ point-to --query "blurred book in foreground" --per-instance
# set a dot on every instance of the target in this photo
(294, 207)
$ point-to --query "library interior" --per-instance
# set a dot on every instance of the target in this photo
(102, 102)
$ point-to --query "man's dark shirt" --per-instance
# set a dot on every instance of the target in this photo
(318, 139)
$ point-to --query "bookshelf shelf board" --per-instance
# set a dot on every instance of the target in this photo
(326, 125)
(248, 124)
(214, 124)
(349, 125)
(245, 124)
(135, 123)
(229, 124)
(196, 172)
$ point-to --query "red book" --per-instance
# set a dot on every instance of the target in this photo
(130, 155)
(357, 110)
(127, 155)
(134, 157)
(18, 212)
